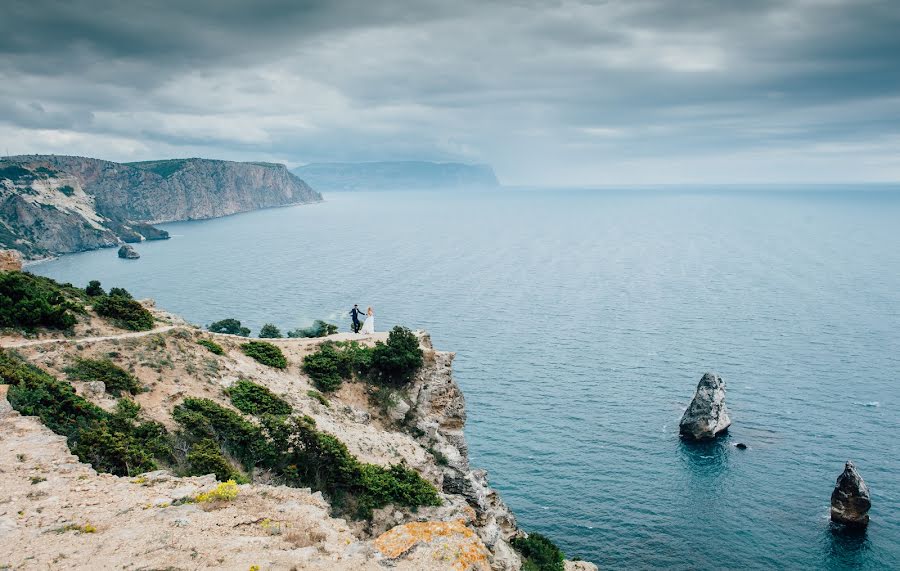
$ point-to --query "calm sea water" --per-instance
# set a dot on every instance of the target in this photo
(583, 321)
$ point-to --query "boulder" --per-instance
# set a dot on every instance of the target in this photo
(95, 388)
(10, 261)
(707, 415)
(850, 499)
(128, 253)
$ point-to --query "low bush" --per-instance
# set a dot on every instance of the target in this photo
(28, 301)
(269, 331)
(212, 346)
(205, 457)
(319, 397)
(334, 362)
(538, 553)
(124, 312)
(202, 418)
(224, 492)
(265, 353)
(114, 377)
(250, 398)
(115, 442)
(319, 328)
(397, 361)
(94, 289)
(120, 292)
(231, 326)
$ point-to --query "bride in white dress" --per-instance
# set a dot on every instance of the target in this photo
(369, 324)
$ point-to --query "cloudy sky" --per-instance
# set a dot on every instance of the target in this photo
(561, 93)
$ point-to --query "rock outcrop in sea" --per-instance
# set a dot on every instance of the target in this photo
(850, 501)
(56, 204)
(128, 253)
(706, 416)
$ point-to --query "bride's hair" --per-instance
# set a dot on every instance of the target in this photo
(369, 311)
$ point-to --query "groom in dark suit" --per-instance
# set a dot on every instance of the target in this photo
(355, 313)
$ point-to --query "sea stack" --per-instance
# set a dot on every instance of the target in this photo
(128, 253)
(707, 416)
(850, 499)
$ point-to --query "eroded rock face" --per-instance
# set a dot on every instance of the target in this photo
(706, 416)
(850, 499)
(128, 253)
(10, 261)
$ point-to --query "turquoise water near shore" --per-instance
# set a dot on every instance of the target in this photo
(582, 321)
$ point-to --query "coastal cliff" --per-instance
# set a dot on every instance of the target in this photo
(52, 204)
(158, 519)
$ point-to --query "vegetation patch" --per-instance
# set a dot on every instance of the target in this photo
(115, 442)
(212, 346)
(538, 553)
(124, 312)
(269, 331)
(337, 361)
(205, 457)
(113, 376)
(299, 455)
(265, 353)
(224, 492)
(28, 301)
(319, 328)
(397, 361)
(94, 289)
(120, 292)
(67, 190)
(319, 397)
(250, 398)
(231, 326)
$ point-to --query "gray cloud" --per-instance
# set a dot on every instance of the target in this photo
(564, 92)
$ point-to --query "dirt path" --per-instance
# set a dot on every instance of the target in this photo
(31, 342)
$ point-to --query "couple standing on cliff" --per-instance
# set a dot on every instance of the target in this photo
(368, 326)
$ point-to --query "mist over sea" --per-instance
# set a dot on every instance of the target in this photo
(582, 322)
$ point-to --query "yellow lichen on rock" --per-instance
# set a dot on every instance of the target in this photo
(447, 543)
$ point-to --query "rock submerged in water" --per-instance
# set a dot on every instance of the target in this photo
(128, 253)
(850, 499)
(706, 416)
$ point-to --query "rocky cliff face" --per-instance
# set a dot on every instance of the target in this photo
(60, 204)
(145, 521)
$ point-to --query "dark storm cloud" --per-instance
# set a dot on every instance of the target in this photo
(561, 91)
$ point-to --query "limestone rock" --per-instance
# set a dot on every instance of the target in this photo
(95, 388)
(579, 566)
(399, 410)
(850, 499)
(707, 415)
(434, 545)
(10, 261)
(128, 253)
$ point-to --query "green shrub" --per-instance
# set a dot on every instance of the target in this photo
(265, 353)
(397, 361)
(269, 331)
(539, 553)
(67, 190)
(116, 378)
(212, 346)
(202, 418)
(250, 398)
(319, 328)
(335, 361)
(28, 301)
(119, 292)
(205, 457)
(124, 312)
(231, 326)
(94, 289)
(319, 397)
(111, 442)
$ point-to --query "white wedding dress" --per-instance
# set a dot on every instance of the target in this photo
(368, 325)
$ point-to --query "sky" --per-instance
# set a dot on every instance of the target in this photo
(557, 93)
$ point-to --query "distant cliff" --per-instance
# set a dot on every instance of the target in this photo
(396, 175)
(53, 204)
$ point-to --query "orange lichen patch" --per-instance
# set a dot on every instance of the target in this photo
(450, 542)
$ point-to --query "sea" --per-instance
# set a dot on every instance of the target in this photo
(582, 320)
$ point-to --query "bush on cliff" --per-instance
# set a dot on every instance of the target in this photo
(28, 301)
(269, 331)
(539, 553)
(120, 292)
(319, 328)
(114, 377)
(250, 398)
(205, 457)
(265, 353)
(111, 442)
(230, 326)
(124, 312)
(335, 361)
(397, 361)
(212, 346)
(94, 289)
